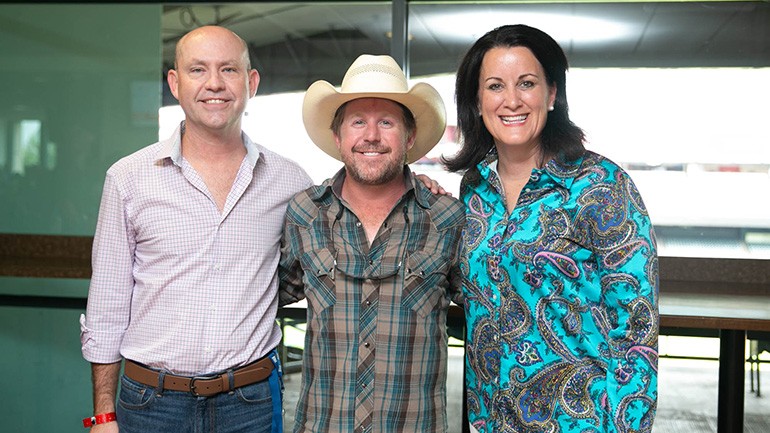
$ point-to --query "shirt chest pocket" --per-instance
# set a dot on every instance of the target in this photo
(318, 277)
(425, 283)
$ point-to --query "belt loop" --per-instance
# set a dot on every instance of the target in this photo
(230, 381)
(161, 379)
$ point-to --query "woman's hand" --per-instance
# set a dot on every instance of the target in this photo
(432, 185)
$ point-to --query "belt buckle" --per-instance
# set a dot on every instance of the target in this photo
(197, 378)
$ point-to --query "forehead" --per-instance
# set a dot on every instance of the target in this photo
(211, 47)
(366, 105)
(517, 60)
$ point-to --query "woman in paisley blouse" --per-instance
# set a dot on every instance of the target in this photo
(561, 270)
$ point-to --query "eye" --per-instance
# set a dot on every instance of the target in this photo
(386, 122)
(527, 84)
(495, 87)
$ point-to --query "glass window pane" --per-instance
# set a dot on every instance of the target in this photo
(80, 86)
(674, 92)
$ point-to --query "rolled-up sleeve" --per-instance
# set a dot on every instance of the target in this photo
(109, 295)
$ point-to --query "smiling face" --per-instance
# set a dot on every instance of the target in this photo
(212, 79)
(373, 140)
(514, 97)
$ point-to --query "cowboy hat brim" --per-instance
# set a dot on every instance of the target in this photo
(322, 101)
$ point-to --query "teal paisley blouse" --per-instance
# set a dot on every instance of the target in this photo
(561, 301)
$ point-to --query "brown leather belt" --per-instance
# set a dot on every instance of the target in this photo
(202, 386)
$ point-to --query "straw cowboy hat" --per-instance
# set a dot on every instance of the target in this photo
(374, 77)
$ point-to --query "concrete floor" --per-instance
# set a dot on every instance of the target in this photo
(687, 400)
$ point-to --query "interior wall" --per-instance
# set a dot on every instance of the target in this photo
(89, 77)
(80, 87)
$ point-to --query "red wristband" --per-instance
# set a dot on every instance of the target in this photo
(99, 419)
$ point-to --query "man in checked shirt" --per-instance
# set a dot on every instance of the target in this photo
(184, 284)
(376, 256)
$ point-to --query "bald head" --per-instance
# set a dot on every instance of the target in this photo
(213, 33)
(213, 80)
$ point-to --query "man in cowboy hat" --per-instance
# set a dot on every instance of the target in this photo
(376, 255)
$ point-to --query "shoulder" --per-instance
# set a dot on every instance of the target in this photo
(601, 180)
(448, 212)
(445, 211)
(593, 161)
(306, 205)
(282, 167)
(142, 159)
(595, 169)
(280, 172)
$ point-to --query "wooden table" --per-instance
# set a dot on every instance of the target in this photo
(732, 316)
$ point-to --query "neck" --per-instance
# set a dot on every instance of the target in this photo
(384, 195)
(372, 203)
(518, 163)
(211, 145)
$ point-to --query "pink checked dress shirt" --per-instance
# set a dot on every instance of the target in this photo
(177, 284)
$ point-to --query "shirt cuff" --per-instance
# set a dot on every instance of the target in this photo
(98, 346)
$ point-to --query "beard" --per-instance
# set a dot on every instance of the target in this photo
(374, 174)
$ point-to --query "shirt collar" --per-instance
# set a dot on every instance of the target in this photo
(563, 173)
(171, 148)
(559, 172)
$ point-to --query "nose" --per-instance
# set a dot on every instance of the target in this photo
(372, 132)
(512, 98)
(214, 81)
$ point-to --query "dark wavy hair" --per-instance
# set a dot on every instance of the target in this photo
(560, 137)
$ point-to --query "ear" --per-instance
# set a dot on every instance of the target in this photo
(173, 82)
(410, 140)
(552, 95)
(253, 82)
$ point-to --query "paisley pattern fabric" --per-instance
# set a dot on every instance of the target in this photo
(561, 302)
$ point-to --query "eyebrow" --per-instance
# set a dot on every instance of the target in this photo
(527, 74)
(196, 61)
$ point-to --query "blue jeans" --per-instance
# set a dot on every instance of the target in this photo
(253, 408)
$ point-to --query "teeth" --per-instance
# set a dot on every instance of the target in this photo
(215, 101)
(514, 119)
(371, 153)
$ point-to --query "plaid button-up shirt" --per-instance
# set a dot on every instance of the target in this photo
(376, 341)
